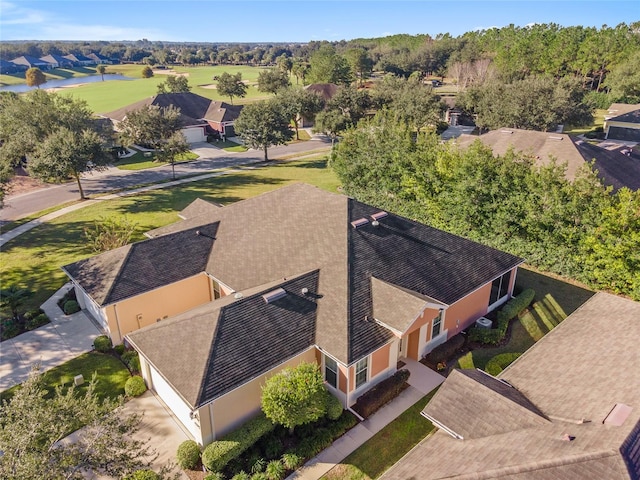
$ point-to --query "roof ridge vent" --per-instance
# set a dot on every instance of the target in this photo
(274, 295)
(359, 222)
(555, 137)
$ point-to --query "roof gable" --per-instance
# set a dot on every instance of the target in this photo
(629, 117)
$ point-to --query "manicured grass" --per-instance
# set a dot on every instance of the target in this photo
(34, 258)
(386, 447)
(140, 162)
(229, 146)
(111, 375)
(555, 299)
(598, 121)
(109, 95)
(303, 136)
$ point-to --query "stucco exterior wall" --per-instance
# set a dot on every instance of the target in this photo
(145, 309)
(380, 360)
(464, 312)
(237, 406)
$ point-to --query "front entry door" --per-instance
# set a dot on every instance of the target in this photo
(412, 348)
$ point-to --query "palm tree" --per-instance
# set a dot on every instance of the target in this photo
(101, 69)
(13, 298)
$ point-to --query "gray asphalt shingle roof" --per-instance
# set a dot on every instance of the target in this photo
(574, 376)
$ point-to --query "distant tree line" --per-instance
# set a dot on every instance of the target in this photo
(579, 229)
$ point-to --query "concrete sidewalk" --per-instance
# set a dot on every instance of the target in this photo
(422, 381)
(66, 337)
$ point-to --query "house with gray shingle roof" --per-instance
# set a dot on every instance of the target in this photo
(31, 62)
(623, 122)
(614, 168)
(230, 295)
(199, 115)
(568, 408)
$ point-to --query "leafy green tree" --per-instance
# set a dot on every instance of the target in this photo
(352, 103)
(150, 125)
(332, 123)
(624, 79)
(285, 63)
(67, 153)
(329, 67)
(33, 428)
(271, 81)
(231, 86)
(174, 84)
(35, 77)
(298, 103)
(359, 62)
(300, 70)
(13, 297)
(101, 69)
(147, 72)
(295, 396)
(263, 124)
(171, 150)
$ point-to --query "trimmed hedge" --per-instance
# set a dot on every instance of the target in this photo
(493, 336)
(134, 387)
(378, 396)
(71, 307)
(217, 454)
(102, 343)
(37, 321)
(188, 454)
(446, 350)
(334, 407)
(500, 362)
(119, 349)
(131, 360)
(143, 474)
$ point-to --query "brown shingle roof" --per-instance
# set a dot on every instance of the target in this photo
(580, 370)
(614, 168)
(193, 108)
(325, 90)
(196, 208)
(300, 228)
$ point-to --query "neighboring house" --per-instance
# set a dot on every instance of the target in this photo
(326, 91)
(31, 62)
(219, 301)
(7, 67)
(58, 61)
(614, 168)
(569, 408)
(99, 59)
(79, 60)
(200, 116)
(622, 122)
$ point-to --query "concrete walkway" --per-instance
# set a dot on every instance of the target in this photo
(422, 381)
(66, 337)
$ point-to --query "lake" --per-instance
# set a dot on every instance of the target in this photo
(65, 82)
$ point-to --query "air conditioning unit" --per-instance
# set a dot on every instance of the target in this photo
(483, 322)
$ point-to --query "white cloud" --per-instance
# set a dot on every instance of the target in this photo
(62, 31)
(13, 14)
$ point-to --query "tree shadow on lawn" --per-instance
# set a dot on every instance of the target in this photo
(317, 164)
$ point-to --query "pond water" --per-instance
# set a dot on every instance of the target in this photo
(65, 82)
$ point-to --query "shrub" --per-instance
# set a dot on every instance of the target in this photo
(143, 474)
(8, 329)
(119, 349)
(445, 351)
(214, 476)
(232, 445)
(188, 454)
(493, 336)
(71, 307)
(131, 360)
(275, 470)
(134, 387)
(272, 446)
(258, 465)
(334, 407)
(37, 321)
(291, 461)
(378, 396)
(31, 314)
(259, 476)
(102, 343)
(241, 476)
(500, 362)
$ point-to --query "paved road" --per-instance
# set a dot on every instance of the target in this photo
(211, 158)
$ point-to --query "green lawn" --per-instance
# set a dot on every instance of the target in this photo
(110, 95)
(111, 375)
(34, 258)
(598, 121)
(140, 162)
(229, 146)
(54, 74)
(555, 299)
(386, 447)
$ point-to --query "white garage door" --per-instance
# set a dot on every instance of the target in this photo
(180, 409)
(194, 135)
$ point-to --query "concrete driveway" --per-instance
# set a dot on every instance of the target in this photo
(66, 337)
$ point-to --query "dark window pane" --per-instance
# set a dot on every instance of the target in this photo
(504, 288)
(495, 290)
(331, 377)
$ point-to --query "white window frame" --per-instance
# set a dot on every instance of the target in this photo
(328, 359)
(362, 365)
(499, 299)
(436, 322)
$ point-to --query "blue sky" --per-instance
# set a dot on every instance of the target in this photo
(288, 21)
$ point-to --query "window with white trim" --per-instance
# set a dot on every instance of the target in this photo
(331, 371)
(500, 287)
(437, 326)
(362, 367)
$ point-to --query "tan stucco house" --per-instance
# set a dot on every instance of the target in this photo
(568, 408)
(230, 295)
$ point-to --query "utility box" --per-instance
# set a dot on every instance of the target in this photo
(483, 322)
(78, 380)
